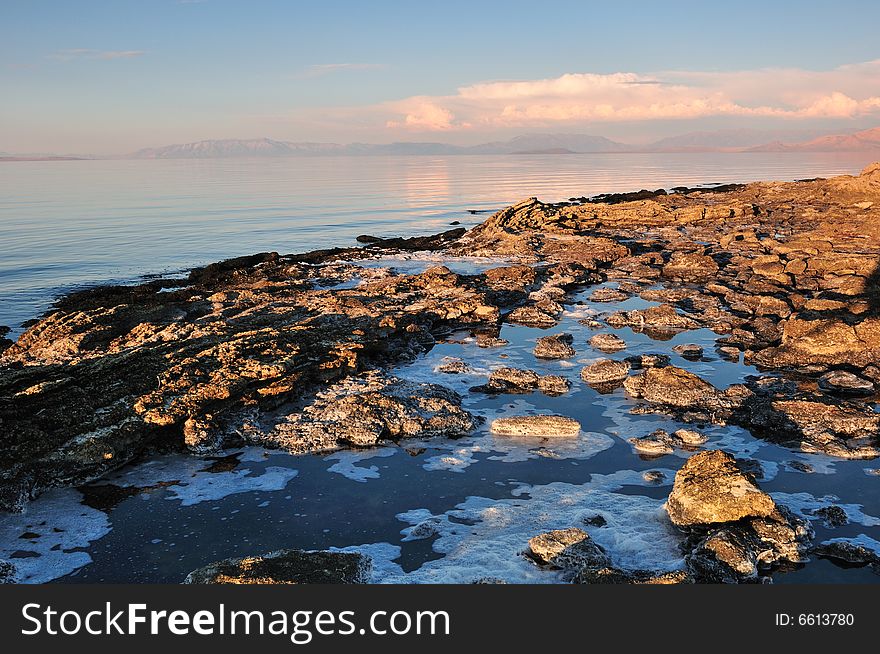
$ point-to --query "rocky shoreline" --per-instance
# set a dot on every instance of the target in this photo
(294, 352)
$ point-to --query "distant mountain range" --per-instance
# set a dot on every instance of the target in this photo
(865, 141)
(730, 140)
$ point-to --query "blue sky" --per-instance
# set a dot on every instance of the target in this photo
(112, 76)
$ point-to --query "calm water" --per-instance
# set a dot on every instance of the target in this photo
(433, 511)
(72, 223)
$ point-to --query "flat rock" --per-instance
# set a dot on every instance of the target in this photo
(689, 351)
(567, 549)
(605, 371)
(607, 343)
(536, 426)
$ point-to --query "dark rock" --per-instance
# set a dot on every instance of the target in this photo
(287, 567)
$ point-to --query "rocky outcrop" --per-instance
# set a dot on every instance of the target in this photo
(518, 380)
(736, 532)
(287, 567)
(364, 410)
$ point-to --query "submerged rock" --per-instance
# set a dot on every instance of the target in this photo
(287, 567)
(534, 426)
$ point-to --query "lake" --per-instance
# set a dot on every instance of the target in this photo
(69, 224)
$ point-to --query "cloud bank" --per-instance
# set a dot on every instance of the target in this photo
(845, 92)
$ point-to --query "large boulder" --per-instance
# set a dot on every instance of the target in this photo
(710, 489)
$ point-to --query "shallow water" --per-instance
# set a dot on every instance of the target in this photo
(65, 224)
(436, 510)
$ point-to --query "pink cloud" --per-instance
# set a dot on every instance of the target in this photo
(844, 92)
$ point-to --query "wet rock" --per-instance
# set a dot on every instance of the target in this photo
(710, 489)
(845, 383)
(557, 346)
(689, 351)
(675, 387)
(827, 341)
(543, 316)
(605, 371)
(453, 366)
(520, 380)
(661, 318)
(649, 360)
(287, 567)
(607, 294)
(653, 476)
(741, 551)
(536, 426)
(849, 552)
(365, 410)
(487, 341)
(729, 353)
(567, 549)
(612, 575)
(554, 385)
(657, 443)
(844, 430)
(5, 343)
(832, 516)
(607, 343)
(690, 437)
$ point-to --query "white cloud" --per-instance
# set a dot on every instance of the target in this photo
(845, 92)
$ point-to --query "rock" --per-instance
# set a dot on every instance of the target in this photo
(689, 351)
(656, 444)
(674, 387)
(845, 383)
(832, 516)
(650, 360)
(729, 353)
(287, 567)
(567, 549)
(653, 476)
(608, 295)
(453, 366)
(849, 552)
(653, 321)
(557, 346)
(741, 551)
(690, 437)
(607, 343)
(532, 315)
(7, 572)
(536, 426)
(519, 380)
(827, 341)
(368, 409)
(612, 575)
(710, 489)
(690, 267)
(554, 385)
(487, 341)
(605, 371)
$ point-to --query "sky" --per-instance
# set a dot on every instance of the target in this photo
(112, 76)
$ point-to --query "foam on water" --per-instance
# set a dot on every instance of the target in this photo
(485, 538)
(57, 523)
(346, 461)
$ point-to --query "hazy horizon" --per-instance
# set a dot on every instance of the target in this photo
(109, 78)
